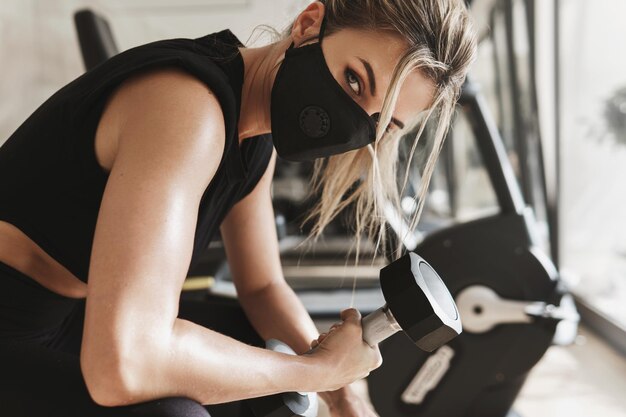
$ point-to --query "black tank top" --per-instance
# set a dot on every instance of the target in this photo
(51, 184)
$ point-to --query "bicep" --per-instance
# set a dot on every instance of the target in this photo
(249, 235)
(144, 233)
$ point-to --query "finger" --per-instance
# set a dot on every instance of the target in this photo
(314, 344)
(378, 358)
(320, 340)
(334, 326)
(351, 315)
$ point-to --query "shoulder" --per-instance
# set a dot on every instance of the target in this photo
(170, 93)
(169, 115)
(169, 102)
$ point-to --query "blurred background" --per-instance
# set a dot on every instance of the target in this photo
(550, 82)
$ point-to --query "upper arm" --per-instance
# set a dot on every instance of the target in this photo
(171, 138)
(250, 240)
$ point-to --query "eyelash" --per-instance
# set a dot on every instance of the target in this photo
(349, 74)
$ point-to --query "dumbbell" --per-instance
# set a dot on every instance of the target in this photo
(417, 303)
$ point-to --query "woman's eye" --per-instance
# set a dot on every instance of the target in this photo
(391, 127)
(353, 82)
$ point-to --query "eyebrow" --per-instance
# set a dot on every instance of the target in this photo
(397, 122)
(376, 117)
(370, 75)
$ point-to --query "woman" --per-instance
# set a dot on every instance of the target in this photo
(121, 178)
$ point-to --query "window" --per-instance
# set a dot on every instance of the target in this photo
(593, 152)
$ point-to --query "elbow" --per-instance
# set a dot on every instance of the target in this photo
(110, 379)
(259, 288)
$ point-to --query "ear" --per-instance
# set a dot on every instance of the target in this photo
(308, 23)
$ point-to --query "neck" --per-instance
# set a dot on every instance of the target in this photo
(260, 68)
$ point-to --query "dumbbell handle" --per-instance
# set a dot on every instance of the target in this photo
(379, 325)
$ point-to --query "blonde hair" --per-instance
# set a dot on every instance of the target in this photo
(442, 45)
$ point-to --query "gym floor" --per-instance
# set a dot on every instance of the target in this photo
(582, 380)
(586, 379)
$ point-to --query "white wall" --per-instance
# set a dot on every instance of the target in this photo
(39, 52)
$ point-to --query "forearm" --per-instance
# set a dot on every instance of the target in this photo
(195, 362)
(276, 312)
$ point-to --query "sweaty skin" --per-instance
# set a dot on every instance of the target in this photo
(157, 138)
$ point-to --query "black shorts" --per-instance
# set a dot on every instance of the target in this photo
(40, 338)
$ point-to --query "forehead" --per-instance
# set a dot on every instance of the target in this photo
(383, 50)
(416, 95)
(373, 42)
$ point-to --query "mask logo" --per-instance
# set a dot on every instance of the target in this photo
(314, 122)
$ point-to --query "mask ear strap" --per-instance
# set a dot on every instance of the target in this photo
(322, 30)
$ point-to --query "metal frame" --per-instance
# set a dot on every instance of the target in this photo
(495, 160)
(534, 102)
(611, 331)
(519, 127)
(526, 135)
(554, 201)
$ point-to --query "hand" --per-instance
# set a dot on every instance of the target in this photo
(341, 354)
(347, 403)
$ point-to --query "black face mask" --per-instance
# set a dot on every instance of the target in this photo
(312, 115)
